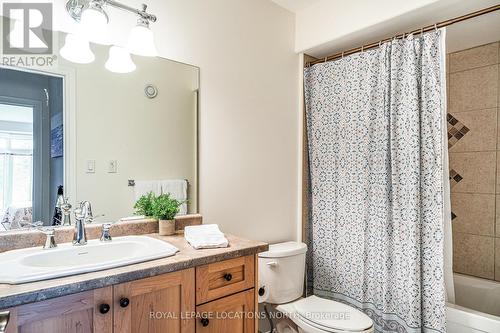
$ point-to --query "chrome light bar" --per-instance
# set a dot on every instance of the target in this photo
(76, 7)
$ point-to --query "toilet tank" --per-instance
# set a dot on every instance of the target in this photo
(281, 272)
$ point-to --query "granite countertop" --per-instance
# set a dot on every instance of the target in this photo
(187, 257)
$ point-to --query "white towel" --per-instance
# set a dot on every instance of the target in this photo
(176, 187)
(206, 236)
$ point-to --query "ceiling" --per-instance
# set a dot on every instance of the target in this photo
(294, 5)
(463, 35)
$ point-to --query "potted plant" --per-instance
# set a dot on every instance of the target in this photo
(164, 209)
(144, 206)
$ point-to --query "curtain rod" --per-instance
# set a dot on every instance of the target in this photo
(415, 32)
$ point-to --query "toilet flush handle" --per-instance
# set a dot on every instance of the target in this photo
(272, 264)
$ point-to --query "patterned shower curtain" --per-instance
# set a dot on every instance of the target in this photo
(375, 139)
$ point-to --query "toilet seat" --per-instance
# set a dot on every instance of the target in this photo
(318, 315)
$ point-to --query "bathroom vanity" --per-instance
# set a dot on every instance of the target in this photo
(212, 290)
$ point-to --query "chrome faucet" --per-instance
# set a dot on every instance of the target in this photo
(87, 211)
(83, 215)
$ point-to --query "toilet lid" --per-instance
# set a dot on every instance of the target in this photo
(332, 315)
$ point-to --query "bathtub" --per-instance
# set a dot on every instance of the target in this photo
(476, 308)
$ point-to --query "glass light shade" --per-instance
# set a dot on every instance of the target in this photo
(119, 60)
(94, 25)
(141, 41)
(77, 49)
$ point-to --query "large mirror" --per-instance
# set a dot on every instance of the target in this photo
(74, 132)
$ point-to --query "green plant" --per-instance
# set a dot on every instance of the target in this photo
(165, 207)
(144, 206)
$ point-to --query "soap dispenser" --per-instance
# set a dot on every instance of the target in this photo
(58, 216)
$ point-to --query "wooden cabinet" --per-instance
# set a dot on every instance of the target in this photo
(164, 303)
(218, 297)
(85, 312)
(231, 314)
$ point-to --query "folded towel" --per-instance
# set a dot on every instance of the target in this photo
(176, 187)
(206, 236)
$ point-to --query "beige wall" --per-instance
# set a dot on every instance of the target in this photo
(473, 95)
(248, 106)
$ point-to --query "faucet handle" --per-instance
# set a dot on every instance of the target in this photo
(105, 235)
(4, 321)
(50, 241)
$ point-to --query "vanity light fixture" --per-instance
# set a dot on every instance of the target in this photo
(119, 60)
(141, 41)
(93, 22)
(77, 49)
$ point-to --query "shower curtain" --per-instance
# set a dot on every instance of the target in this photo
(375, 124)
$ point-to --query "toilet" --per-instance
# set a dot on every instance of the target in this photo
(281, 283)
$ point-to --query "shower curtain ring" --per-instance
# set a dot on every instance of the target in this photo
(435, 27)
(342, 54)
(326, 59)
(362, 48)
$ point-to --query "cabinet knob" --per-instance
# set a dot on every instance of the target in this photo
(124, 302)
(204, 322)
(228, 277)
(104, 308)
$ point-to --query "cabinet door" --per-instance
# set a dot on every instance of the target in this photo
(231, 314)
(78, 313)
(164, 303)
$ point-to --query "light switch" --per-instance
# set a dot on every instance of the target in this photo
(112, 166)
(90, 167)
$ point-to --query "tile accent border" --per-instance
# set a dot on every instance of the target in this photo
(456, 130)
(455, 178)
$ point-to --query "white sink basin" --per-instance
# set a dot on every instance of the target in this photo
(37, 264)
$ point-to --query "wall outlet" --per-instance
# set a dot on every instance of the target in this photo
(113, 166)
(90, 166)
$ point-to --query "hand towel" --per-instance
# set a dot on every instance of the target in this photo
(176, 187)
(206, 236)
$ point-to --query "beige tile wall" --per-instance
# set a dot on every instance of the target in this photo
(473, 100)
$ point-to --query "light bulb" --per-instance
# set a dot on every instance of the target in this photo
(77, 49)
(119, 60)
(141, 41)
(94, 24)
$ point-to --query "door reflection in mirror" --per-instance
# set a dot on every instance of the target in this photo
(30, 109)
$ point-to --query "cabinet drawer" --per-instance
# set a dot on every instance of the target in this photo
(224, 278)
(231, 314)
